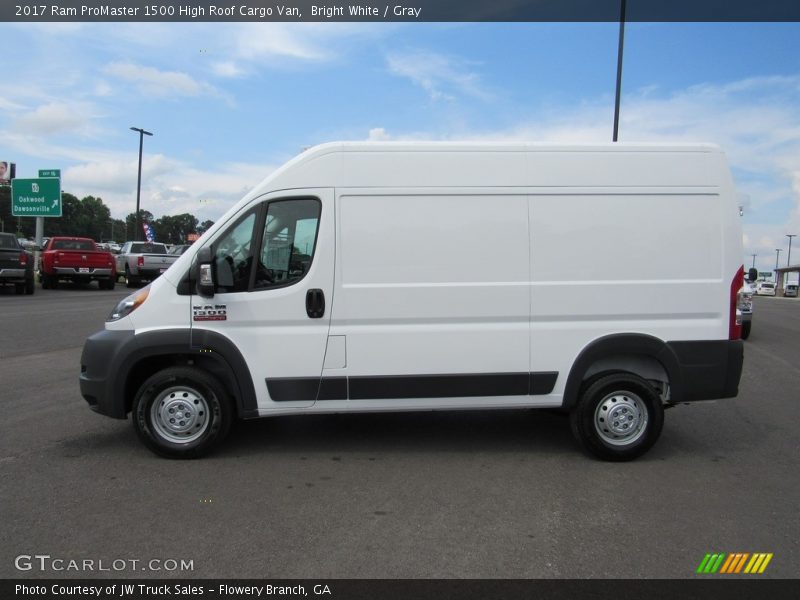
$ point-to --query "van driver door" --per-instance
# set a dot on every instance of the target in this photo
(273, 268)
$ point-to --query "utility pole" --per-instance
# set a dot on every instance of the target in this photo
(619, 67)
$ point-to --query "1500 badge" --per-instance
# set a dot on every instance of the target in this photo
(210, 312)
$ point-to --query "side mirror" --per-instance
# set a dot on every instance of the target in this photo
(204, 275)
(752, 274)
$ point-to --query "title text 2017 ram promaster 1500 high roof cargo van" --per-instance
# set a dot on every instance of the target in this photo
(358, 277)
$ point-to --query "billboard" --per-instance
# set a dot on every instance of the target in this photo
(7, 172)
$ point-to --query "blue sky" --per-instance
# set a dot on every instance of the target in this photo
(228, 103)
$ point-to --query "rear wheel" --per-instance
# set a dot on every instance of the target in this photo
(108, 284)
(19, 288)
(746, 330)
(49, 282)
(130, 280)
(182, 412)
(30, 286)
(618, 417)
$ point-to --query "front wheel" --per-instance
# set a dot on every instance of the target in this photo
(618, 417)
(182, 412)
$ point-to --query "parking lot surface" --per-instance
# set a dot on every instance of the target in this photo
(486, 494)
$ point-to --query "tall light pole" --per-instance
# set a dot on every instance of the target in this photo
(619, 67)
(138, 231)
(777, 254)
(754, 260)
(789, 256)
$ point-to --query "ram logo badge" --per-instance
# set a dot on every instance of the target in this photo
(210, 312)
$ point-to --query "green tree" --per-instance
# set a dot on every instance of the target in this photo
(204, 226)
(130, 224)
(174, 229)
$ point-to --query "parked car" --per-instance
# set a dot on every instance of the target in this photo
(143, 261)
(78, 260)
(790, 291)
(16, 265)
(746, 309)
(765, 288)
(179, 249)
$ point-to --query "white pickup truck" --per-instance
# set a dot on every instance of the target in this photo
(143, 261)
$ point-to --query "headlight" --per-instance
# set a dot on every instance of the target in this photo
(129, 304)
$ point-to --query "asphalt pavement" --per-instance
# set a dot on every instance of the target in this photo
(491, 494)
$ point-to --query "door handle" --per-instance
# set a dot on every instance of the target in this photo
(315, 303)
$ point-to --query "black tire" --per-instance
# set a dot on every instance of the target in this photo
(746, 329)
(108, 284)
(130, 280)
(19, 288)
(30, 286)
(625, 397)
(202, 412)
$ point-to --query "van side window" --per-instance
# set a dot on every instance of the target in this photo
(287, 243)
(233, 256)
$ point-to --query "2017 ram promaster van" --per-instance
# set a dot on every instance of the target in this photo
(601, 280)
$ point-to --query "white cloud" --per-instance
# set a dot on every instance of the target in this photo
(227, 69)
(9, 105)
(169, 186)
(442, 77)
(273, 43)
(158, 83)
(54, 118)
(268, 40)
(378, 134)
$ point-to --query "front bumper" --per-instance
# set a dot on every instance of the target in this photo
(103, 356)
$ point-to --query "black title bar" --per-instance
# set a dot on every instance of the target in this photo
(398, 11)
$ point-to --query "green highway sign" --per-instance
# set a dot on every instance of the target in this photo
(36, 197)
(49, 172)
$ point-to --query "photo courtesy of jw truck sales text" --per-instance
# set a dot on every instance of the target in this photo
(365, 277)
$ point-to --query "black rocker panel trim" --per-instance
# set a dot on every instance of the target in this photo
(411, 386)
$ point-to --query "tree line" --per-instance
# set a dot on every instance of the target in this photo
(90, 217)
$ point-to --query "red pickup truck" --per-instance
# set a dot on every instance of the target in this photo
(78, 260)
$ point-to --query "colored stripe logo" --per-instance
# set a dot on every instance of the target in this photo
(735, 563)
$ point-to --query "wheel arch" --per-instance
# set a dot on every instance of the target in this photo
(641, 354)
(208, 350)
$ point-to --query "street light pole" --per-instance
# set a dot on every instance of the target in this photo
(754, 260)
(789, 256)
(138, 231)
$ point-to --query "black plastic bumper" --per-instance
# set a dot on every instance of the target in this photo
(102, 354)
(709, 370)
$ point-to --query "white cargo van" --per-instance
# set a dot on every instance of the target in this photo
(601, 280)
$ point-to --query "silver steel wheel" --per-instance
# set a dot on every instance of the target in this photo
(620, 418)
(180, 414)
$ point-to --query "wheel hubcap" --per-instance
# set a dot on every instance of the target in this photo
(620, 418)
(180, 414)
